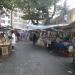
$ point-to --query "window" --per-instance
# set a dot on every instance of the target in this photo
(9, 21)
(2, 21)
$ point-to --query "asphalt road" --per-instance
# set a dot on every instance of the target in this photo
(30, 60)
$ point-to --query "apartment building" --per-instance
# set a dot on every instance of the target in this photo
(17, 21)
(71, 15)
(5, 20)
(13, 18)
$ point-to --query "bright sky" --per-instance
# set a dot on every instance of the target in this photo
(70, 3)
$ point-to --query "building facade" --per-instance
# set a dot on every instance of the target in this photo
(13, 18)
(5, 20)
(71, 16)
(17, 21)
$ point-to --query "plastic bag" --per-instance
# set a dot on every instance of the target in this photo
(70, 49)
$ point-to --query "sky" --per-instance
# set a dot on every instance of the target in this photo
(70, 3)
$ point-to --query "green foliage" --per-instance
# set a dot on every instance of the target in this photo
(7, 4)
(36, 9)
(33, 9)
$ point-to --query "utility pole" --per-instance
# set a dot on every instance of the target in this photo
(0, 18)
(65, 11)
(11, 19)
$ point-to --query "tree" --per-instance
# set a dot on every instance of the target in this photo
(36, 10)
(6, 5)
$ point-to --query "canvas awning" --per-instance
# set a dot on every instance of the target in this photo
(41, 27)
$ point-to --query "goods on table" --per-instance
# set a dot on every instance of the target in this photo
(5, 46)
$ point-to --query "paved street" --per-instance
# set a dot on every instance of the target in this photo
(30, 60)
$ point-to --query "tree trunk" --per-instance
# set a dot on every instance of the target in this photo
(49, 18)
(36, 22)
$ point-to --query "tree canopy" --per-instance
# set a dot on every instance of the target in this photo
(36, 10)
(6, 4)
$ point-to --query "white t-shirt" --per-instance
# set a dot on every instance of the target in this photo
(13, 39)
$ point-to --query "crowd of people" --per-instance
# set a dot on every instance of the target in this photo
(15, 36)
(54, 42)
(49, 40)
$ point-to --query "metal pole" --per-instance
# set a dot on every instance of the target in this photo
(11, 20)
(65, 11)
(0, 18)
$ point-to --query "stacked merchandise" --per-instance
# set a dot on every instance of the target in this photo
(5, 46)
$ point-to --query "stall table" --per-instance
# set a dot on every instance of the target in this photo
(5, 47)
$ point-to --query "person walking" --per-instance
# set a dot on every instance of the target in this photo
(13, 41)
(18, 36)
(34, 39)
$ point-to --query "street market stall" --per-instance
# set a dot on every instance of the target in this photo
(5, 43)
(47, 33)
(52, 38)
(5, 46)
(47, 36)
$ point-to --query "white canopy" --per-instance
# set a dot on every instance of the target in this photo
(41, 27)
